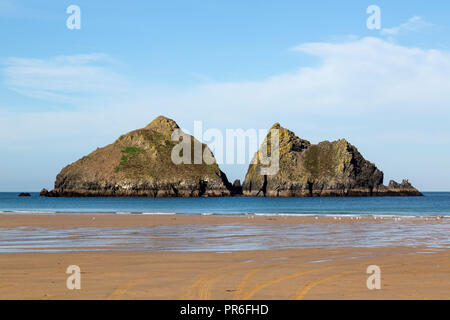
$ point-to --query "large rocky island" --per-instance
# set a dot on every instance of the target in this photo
(322, 170)
(139, 164)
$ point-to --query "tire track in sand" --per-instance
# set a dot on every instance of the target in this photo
(204, 284)
(122, 289)
(275, 280)
(247, 277)
(304, 290)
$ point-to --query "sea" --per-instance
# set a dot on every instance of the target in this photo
(431, 204)
(395, 225)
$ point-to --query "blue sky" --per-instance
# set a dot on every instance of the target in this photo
(314, 67)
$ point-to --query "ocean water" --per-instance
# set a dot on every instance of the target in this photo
(432, 204)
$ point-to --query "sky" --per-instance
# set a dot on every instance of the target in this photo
(316, 68)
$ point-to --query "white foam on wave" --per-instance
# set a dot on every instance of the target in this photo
(353, 216)
(147, 213)
(27, 212)
(160, 213)
(286, 214)
(341, 215)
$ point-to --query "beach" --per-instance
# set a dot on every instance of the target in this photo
(411, 268)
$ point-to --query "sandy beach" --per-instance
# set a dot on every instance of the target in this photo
(305, 273)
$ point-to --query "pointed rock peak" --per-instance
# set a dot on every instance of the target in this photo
(163, 125)
(282, 130)
(342, 143)
(288, 140)
(276, 125)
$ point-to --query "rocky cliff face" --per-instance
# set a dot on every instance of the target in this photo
(139, 164)
(325, 169)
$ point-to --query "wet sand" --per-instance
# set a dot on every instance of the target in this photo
(141, 220)
(309, 273)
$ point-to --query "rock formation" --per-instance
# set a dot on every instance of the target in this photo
(325, 169)
(236, 188)
(139, 164)
(398, 189)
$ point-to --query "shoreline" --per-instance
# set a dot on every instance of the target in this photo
(70, 220)
(227, 214)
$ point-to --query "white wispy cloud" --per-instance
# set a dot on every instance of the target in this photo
(413, 24)
(66, 79)
(359, 75)
(374, 74)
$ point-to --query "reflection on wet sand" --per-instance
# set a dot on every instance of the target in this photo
(224, 237)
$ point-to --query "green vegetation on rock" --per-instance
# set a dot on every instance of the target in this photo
(128, 152)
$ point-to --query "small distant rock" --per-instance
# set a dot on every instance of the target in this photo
(405, 188)
(237, 187)
(24, 194)
(43, 193)
(404, 185)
